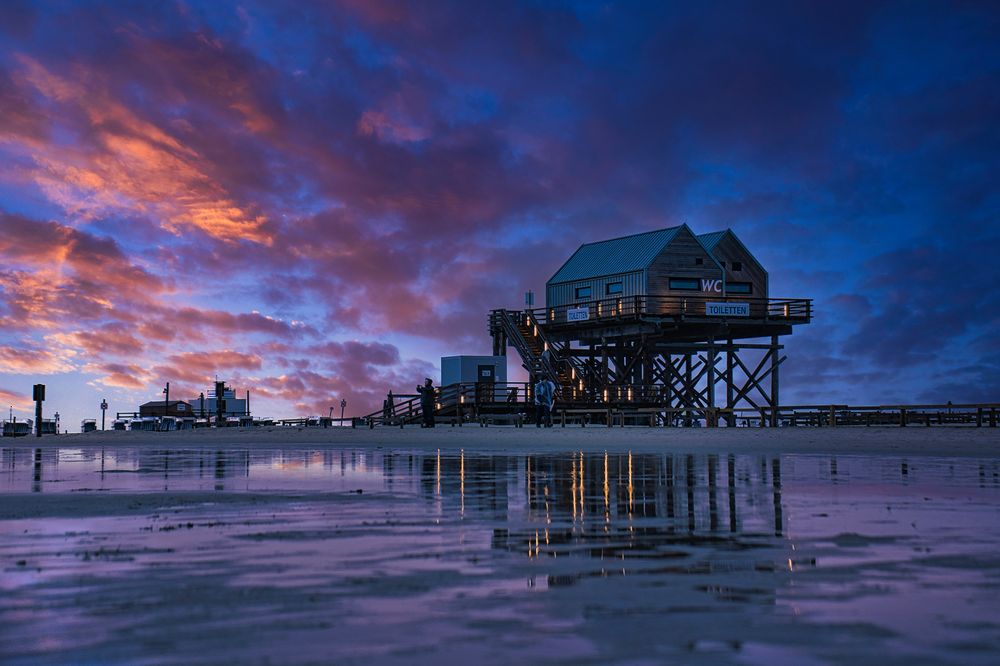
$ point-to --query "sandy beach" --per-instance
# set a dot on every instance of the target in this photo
(913, 440)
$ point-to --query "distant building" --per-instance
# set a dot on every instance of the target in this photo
(232, 406)
(473, 370)
(163, 408)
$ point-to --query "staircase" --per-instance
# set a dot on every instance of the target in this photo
(523, 332)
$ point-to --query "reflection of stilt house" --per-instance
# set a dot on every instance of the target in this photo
(660, 319)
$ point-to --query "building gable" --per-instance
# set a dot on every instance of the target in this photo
(683, 258)
(727, 248)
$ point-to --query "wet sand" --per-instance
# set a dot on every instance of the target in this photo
(502, 545)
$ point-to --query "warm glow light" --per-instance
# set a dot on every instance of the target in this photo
(631, 488)
(572, 476)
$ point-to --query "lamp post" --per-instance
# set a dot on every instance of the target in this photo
(166, 400)
(343, 404)
(104, 408)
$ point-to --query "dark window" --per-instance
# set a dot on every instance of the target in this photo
(698, 261)
(614, 288)
(739, 288)
(737, 266)
(582, 292)
(723, 264)
(685, 284)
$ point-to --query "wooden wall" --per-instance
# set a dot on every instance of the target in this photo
(728, 250)
(677, 260)
(564, 293)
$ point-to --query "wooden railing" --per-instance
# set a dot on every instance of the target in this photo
(975, 414)
(790, 310)
(652, 405)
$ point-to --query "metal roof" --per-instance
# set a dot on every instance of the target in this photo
(613, 256)
(709, 241)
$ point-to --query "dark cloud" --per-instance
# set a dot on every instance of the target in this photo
(337, 188)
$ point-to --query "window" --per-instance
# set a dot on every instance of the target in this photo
(684, 284)
(739, 288)
(737, 266)
(613, 288)
(698, 261)
(723, 264)
(582, 292)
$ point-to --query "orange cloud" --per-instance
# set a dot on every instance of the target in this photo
(129, 165)
(16, 400)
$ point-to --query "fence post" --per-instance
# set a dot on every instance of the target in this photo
(833, 416)
(979, 417)
(763, 417)
(993, 417)
(902, 417)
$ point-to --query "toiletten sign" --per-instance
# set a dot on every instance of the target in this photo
(578, 314)
(727, 309)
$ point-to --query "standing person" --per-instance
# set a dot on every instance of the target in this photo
(427, 400)
(544, 396)
(552, 401)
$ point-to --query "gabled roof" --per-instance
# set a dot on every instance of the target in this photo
(710, 240)
(616, 255)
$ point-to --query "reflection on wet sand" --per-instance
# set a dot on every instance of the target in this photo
(297, 555)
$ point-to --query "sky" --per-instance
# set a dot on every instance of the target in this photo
(318, 200)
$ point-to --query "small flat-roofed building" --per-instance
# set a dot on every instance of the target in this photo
(473, 369)
(164, 408)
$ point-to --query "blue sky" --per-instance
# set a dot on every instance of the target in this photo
(319, 200)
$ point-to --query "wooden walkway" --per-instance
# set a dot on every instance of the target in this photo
(513, 403)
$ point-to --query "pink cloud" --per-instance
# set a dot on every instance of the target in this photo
(30, 360)
(16, 400)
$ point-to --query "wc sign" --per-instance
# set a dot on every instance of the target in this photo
(711, 285)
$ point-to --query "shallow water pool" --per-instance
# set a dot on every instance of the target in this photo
(133, 555)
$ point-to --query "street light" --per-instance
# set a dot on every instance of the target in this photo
(343, 404)
(104, 408)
